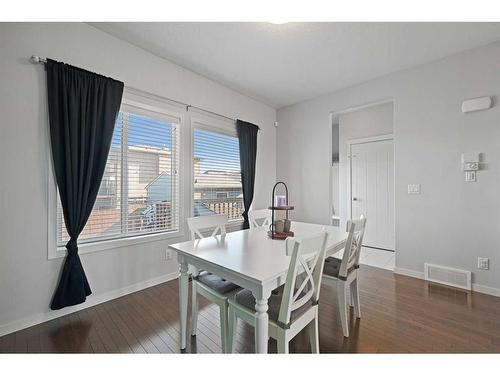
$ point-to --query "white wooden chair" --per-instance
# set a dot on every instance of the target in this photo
(291, 308)
(255, 215)
(344, 272)
(210, 286)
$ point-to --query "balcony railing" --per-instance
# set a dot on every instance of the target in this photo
(232, 207)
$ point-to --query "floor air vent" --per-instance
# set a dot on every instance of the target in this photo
(448, 276)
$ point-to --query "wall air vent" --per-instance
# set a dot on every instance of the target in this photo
(448, 276)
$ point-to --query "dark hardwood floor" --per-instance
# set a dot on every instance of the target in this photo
(399, 315)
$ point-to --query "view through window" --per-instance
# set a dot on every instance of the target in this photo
(216, 173)
(139, 189)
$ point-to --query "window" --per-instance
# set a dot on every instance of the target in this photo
(216, 174)
(139, 192)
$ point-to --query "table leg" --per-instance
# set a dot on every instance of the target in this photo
(183, 299)
(261, 324)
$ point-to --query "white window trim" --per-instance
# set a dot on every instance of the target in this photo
(130, 97)
(214, 123)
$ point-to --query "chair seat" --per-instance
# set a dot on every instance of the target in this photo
(332, 267)
(246, 299)
(217, 283)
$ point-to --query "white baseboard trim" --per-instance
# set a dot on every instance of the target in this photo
(91, 301)
(408, 272)
(486, 289)
(475, 287)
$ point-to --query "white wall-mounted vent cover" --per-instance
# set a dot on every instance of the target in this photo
(448, 276)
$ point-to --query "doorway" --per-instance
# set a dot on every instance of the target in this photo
(362, 176)
(371, 190)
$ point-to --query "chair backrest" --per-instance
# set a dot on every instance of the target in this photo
(255, 215)
(352, 250)
(307, 256)
(199, 223)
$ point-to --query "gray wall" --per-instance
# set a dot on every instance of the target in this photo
(451, 222)
(366, 122)
(27, 278)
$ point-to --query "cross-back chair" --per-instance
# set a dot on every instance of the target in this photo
(263, 215)
(344, 272)
(210, 286)
(294, 305)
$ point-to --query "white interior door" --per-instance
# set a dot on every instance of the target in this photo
(372, 191)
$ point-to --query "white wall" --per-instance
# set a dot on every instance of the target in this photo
(27, 278)
(451, 222)
(367, 122)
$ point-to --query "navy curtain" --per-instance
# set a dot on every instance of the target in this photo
(247, 136)
(82, 112)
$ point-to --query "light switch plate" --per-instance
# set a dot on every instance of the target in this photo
(470, 176)
(483, 263)
(414, 189)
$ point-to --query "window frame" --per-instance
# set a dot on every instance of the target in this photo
(214, 123)
(145, 102)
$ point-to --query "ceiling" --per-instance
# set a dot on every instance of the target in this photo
(284, 64)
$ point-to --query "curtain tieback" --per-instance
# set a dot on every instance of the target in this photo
(72, 247)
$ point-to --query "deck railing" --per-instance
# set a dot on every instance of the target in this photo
(232, 207)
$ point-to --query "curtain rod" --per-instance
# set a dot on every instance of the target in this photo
(41, 60)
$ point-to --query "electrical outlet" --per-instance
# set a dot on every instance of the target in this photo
(483, 263)
(168, 254)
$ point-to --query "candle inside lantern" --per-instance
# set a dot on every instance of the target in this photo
(279, 200)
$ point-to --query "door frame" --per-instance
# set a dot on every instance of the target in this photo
(334, 114)
(357, 141)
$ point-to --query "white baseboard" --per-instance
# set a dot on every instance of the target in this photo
(92, 300)
(475, 287)
(408, 272)
(486, 289)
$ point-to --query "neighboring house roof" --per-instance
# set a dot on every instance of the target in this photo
(156, 179)
(217, 179)
(150, 149)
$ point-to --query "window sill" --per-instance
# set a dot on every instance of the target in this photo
(92, 247)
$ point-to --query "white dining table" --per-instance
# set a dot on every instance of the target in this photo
(250, 259)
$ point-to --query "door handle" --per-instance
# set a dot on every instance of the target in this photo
(354, 199)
